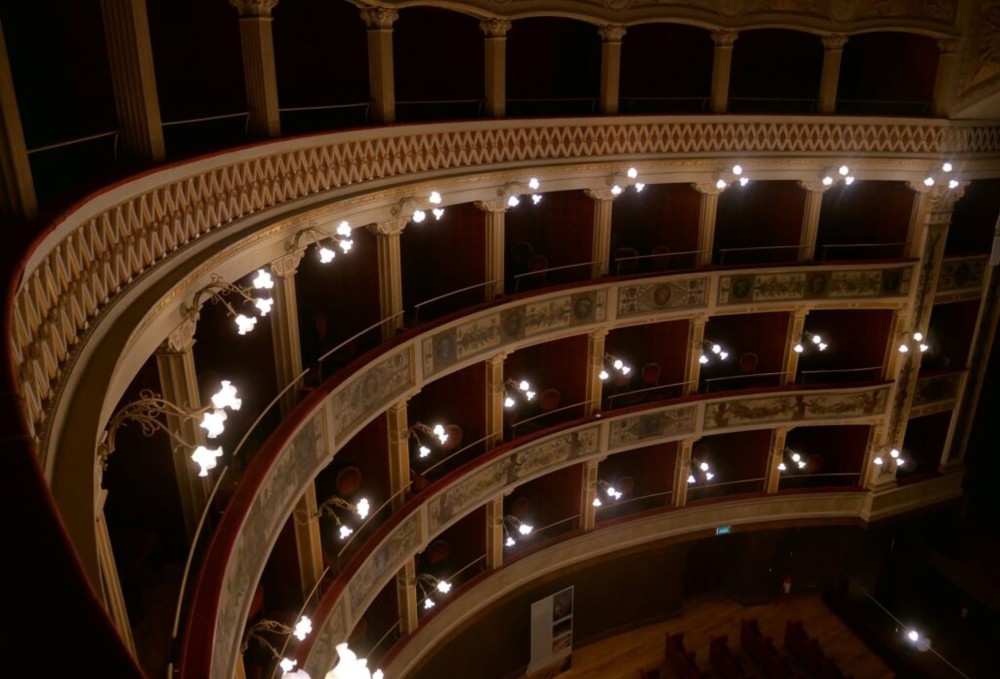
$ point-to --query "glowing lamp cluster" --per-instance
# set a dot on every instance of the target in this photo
(795, 461)
(513, 200)
(213, 422)
(518, 389)
(616, 364)
(712, 350)
(262, 281)
(917, 343)
(610, 492)
(894, 459)
(437, 432)
(512, 525)
(329, 507)
(348, 666)
(842, 173)
(632, 174)
(810, 339)
(343, 239)
(425, 581)
(420, 214)
(734, 176)
(700, 468)
(950, 182)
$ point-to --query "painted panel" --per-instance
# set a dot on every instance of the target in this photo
(660, 425)
(807, 285)
(766, 411)
(371, 391)
(662, 296)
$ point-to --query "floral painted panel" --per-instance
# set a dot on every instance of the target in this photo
(937, 388)
(323, 653)
(554, 451)
(662, 296)
(961, 274)
(673, 421)
(387, 558)
(370, 391)
(473, 491)
(795, 285)
(766, 411)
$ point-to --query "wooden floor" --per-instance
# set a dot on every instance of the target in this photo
(622, 656)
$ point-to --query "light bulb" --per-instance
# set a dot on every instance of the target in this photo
(525, 528)
(822, 346)
(703, 466)
(632, 173)
(782, 467)
(438, 430)
(610, 491)
(510, 542)
(844, 170)
(434, 198)
(523, 385)
(419, 216)
(929, 181)
(796, 457)
(723, 355)
(513, 201)
(878, 461)
(691, 478)
(626, 370)
(952, 183)
(438, 212)
(345, 531)
(263, 280)
(424, 451)
(827, 180)
(377, 674)
(597, 502)
(798, 348)
(716, 348)
(849, 179)
(286, 665)
(720, 184)
(618, 364)
(923, 348)
(744, 181)
(903, 348)
(303, 628)
(618, 495)
(508, 402)
(428, 603)
(444, 586)
(226, 396)
(616, 190)
(703, 359)
(709, 476)
(603, 375)
(913, 635)
(363, 508)
(639, 186)
(802, 464)
(344, 228)
(264, 305)
(346, 245)
(536, 198)
(737, 170)
(212, 423)
(816, 339)
(900, 462)
(947, 167)
(326, 255)
(206, 458)
(245, 323)
(919, 336)
(893, 453)
(533, 183)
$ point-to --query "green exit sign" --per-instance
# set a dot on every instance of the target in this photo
(723, 530)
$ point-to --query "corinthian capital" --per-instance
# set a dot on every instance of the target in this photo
(254, 8)
(379, 17)
(391, 227)
(494, 28)
(834, 42)
(611, 33)
(724, 38)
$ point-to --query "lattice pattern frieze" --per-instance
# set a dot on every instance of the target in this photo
(102, 255)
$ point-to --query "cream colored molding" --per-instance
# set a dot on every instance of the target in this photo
(725, 38)
(611, 32)
(836, 41)
(254, 8)
(380, 18)
(495, 28)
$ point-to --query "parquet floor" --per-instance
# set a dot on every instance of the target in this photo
(622, 656)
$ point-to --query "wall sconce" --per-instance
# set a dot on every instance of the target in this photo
(809, 340)
(891, 463)
(619, 183)
(437, 431)
(510, 191)
(913, 341)
(256, 632)
(516, 390)
(795, 461)
(832, 175)
(330, 506)
(943, 176)
(341, 238)
(512, 524)
(609, 491)
(710, 350)
(218, 290)
(734, 175)
(427, 581)
(150, 407)
(349, 666)
(419, 213)
(700, 468)
(615, 364)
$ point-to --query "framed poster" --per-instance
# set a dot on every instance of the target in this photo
(551, 633)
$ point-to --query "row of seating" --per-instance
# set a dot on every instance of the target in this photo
(761, 650)
(807, 651)
(722, 658)
(680, 660)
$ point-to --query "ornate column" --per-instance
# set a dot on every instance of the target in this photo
(285, 327)
(721, 66)
(390, 274)
(130, 56)
(595, 362)
(875, 477)
(495, 65)
(588, 512)
(17, 189)
(494, 400)
(810, 219)
(706, 222)
(692, 368)
(796, 326)
(601, 249)
(381, 78)
(944, 81)
(179, 384)
(398, 428)
(406, 597)
(258, 66)
(772, 475)
(833, 51)
(494, 533)
(496, 215)
(611, 60)
(111, 588)
(682, 469)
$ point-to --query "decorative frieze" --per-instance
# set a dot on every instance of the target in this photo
(891, 282)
